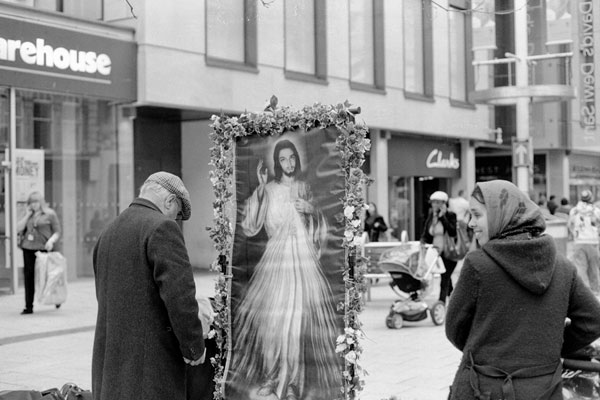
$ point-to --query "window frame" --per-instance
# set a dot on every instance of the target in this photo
(250, 63)
(378, 85)
(320, 75)
(427, 23)
(463, 6)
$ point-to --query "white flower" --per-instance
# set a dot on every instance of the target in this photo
(355, 223)
(340, 347)
(349, 235)
(348, 211)
(351, 357)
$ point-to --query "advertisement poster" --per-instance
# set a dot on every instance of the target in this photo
(29, 173)
(287, 265)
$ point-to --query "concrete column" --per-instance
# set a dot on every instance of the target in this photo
(522, 80)
(66, 181)
(379, 191)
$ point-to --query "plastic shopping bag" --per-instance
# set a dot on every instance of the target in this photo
(51, 277)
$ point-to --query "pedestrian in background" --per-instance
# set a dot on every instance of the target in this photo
(509, 308)
(40, 230)
(564, 209)
(439, 222)
(583, 223)
(374, 224)
(552, 206)
(147, 328)
(460, 206)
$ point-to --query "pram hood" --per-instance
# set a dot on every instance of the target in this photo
(529, 262)
(411, 258)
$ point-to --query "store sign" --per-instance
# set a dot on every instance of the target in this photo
(39, 53)
(41, 57)
(423, 157)
(437, 159)
(587, 100)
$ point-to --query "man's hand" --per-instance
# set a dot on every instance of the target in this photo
(199, 361)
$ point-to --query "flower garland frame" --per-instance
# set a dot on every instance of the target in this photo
(352, 144)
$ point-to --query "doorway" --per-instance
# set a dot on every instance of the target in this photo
(424, 187)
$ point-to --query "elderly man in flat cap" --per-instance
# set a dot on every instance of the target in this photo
(147, 327)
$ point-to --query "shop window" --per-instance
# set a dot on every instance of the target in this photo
(400, 206)
(79, 138)
(367, 68)
(231, 33)
(305, 40)
(4, 119)
(418, 49)
(461, 81)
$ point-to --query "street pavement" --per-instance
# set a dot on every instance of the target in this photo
(54, 346)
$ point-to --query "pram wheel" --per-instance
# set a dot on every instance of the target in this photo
(438, 313)
(394, 321)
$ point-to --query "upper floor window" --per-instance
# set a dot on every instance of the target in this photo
(366, 44)
(305, 39)
(86, 9)
(418, 48)
(460, 57)
(231, 33)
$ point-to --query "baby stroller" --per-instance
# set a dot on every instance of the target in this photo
(415, 269)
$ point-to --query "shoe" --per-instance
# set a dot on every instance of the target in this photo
(26, 311)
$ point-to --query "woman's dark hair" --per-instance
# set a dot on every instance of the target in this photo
(478, 195)
(284, 144)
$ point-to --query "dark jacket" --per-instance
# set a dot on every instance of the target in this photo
(508, 310)
(372, 230)
(448, 221)
(147, 309)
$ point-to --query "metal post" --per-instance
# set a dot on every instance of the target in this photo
(9, 201)
(522, 80)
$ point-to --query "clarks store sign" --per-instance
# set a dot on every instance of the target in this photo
(423, 157)
(45, 58)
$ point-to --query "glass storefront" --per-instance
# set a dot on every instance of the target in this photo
(84, 162)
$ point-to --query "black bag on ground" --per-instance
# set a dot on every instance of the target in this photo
(50, 394)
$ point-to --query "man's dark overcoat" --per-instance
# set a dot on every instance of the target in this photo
(147, 309)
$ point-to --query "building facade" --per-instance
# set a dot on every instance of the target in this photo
(407, 64)
(66, 89)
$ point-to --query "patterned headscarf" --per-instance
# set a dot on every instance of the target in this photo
(510, 211)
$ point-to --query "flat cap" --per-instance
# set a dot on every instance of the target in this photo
(173, 184)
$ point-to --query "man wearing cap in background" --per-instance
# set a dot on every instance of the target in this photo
(583, 223)
(147, 328)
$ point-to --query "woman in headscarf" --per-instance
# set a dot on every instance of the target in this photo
(509, 308)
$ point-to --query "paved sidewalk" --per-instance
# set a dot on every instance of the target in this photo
(52, 347)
